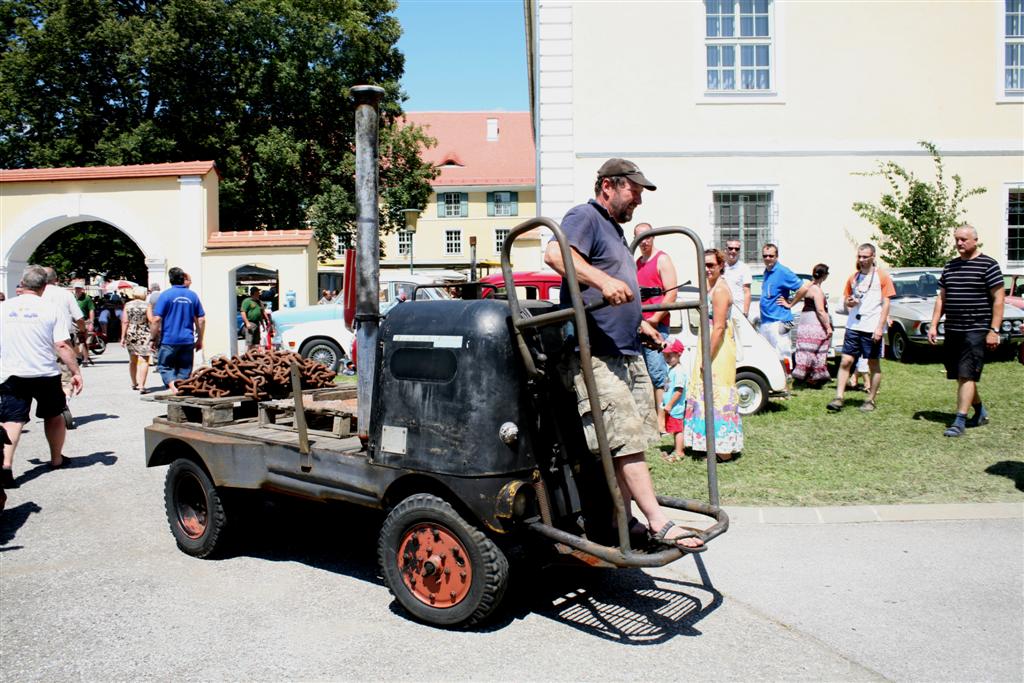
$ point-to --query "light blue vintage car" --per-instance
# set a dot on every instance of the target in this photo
(394, 287)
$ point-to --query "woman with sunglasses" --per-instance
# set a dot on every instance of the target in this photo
(726, 410)
(813, 334)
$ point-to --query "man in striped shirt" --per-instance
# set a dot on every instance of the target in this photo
(971, 296)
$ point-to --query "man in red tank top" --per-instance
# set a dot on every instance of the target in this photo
(655, 269)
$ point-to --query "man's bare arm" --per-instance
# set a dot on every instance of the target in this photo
(667, 272)
(746, 300)
(200, 330)
(940, 303)
(67, 354)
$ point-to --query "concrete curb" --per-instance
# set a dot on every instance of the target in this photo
(856, 514)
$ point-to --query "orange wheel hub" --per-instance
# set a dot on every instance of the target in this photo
(435, 565)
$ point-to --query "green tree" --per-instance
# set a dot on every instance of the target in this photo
(259, 86)
(83, 250)
(915, 219)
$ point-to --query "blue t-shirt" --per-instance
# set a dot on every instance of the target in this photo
(178, 308)
(678, 378)
(779, 281)
(602, 244)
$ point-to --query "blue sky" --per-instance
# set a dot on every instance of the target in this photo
(463, 56)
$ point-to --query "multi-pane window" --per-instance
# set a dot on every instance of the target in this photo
(1015, 226)
(738, 41)
(502, 203)
(452, 204)
(404, 242)
(500, 235)
(1014, 48)
(452, 242)
(744, 216)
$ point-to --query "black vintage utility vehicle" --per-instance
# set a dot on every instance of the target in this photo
(467, 436)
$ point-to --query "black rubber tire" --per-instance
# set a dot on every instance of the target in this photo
(752, 384)
(323, 351)
(195, 509)
(98, 346)
(899, 346)
(488, 562)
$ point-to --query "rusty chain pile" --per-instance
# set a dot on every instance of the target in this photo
(259, 373)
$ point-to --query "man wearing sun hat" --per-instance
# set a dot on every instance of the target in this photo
(607, 271)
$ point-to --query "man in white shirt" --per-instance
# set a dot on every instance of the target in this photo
(737, 276)
(65, 302)
(33, 332)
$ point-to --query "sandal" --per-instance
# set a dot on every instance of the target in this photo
(867, 406)
(660, 537)
(835, 405)
(954, 430)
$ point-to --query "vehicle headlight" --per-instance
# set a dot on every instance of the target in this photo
(1016, 326)
(924, 328)
(1006, 326)
(942, 328)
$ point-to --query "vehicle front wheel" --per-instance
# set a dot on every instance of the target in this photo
(195, 509)
(323, 351)
(440, 568)
(899, 346)
(99, 345)
(753, 392)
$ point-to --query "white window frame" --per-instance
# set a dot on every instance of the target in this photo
(500, 235)
(503, 208)
(775, 215)
(1002, 96)
(404, 242)
(1007, 189)
(776, 30)
(448, 206)
(449, 233)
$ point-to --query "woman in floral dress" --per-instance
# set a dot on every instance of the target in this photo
(135, 324)
(814, 333)
(728, 428)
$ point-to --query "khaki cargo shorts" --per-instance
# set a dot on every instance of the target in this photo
(627, 402)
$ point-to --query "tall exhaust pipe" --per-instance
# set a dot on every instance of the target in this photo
(367, 316)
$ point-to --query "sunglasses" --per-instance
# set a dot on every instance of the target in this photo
(732, 248)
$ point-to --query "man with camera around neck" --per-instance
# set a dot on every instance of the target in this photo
(866, 296)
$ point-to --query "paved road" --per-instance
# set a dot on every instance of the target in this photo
(92, 587)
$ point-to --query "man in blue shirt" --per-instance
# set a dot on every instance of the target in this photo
(178, 325)
(606, 271)
(781, 290)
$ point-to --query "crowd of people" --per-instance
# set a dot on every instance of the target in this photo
(44, 342)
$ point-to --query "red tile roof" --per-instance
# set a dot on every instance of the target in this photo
(24, 175)
(259, 238)
(462, 138)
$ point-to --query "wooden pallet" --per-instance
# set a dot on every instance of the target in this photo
(330, 421)
(210, 412)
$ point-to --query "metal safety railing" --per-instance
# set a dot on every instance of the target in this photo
(624, 555)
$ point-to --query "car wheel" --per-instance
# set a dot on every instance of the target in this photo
(195, 509)
(440, 568)
(753, 392)
(899, 346)
(323, 351)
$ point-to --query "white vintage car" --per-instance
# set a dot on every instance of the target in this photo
(759, 373)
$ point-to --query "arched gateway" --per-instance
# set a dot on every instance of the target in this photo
(170, 211)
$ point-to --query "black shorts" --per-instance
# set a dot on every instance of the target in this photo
(964, 354)
(16, 396)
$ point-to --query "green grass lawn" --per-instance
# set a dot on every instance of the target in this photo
(796, 453)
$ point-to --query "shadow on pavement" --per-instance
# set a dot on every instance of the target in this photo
(74, 462)
(13, 519)
(937, 416)
(86, 419)
(627, 606)
(1011, 469)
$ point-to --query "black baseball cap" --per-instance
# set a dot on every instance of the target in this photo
(627, 169)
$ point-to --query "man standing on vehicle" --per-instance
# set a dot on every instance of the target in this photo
(88, 308)
(34, 333)
(737, 276)
(971, 295)
(606, 270)
(655, 269)
(177, 329)
(780, 284)
(866, 295)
